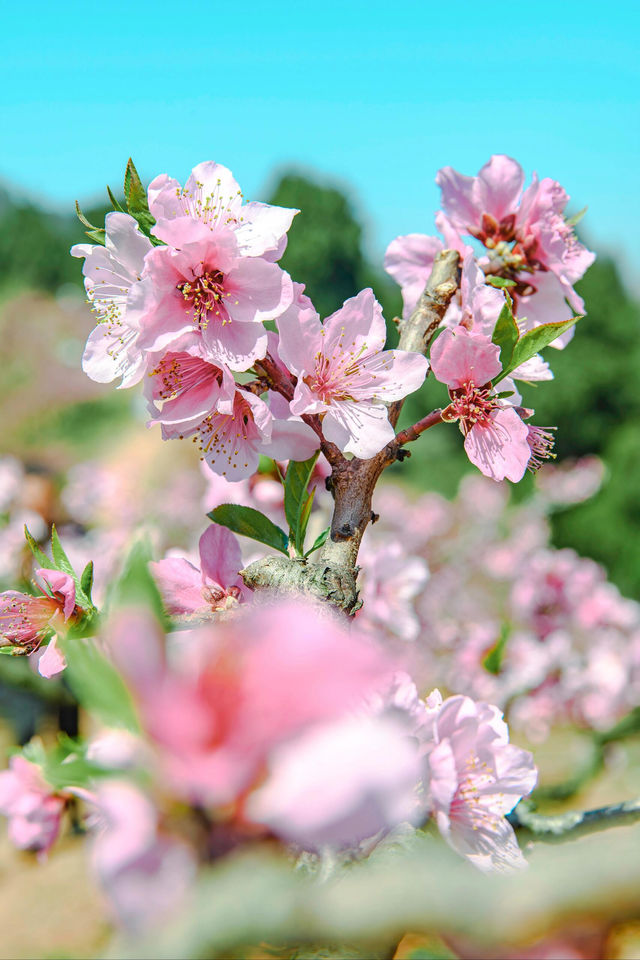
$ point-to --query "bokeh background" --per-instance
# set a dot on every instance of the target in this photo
(345, 110)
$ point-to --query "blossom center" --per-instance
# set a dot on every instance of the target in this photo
(329, 379)
(472, 405)
(204, 297)
(179, 373)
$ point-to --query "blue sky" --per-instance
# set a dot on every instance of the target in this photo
(373, 95)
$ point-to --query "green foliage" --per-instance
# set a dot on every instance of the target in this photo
(136, 197)
(65, 765)
(318, 542)
(34, 247)
(493, 660)
(506, 333)
(250, 523)
(97, 684)
(526, 346)
(135, 587)
(297, 500)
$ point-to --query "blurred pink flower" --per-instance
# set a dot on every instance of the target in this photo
(238, 691)
(33, 809)
(345, 374)
(144, 872)
(340, 783)
(392, 579)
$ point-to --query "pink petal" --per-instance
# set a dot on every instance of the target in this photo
(180, 584)
(61, 583)
(409, 261)
(220, 556)
(52, 661)
(500, 183)
(459, 357)
(458, 200)
(501, 449)
(362, 429)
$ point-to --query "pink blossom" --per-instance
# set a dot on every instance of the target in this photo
(26, 620)
(474, 778)
(345, 375)
(521, 230)
(216, 586)
(200, 400)
(340, 783)
(112, 281)
(409, 260)
(33, 809)
(392, 581)
(238, 691)
(202, 284)
(496, 439)
(486, 205)
(189, 388)
(544, 235)
(212, 196)
(541, 298)
(144, 872)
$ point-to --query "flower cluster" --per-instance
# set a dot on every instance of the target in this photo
(185, 309)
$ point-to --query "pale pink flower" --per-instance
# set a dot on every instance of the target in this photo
(199, 399)
(238, 691)
(216, 586)
(573, 481)
(545, 236)
(521, 230)
(212, 196)
(486, 205)
(392, 579)
(189, 388)
(144, 872)
(496, 438)
(26, 620)
(345, 375)
(474, 778)
(202, 284)
(340, 783)
(33, 809)
(112, 280)
(409, 260)
(541, 298)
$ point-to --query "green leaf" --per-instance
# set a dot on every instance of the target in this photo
(60, 558)
(97, 684)
(135, 587)
(533, 342)
(115, 203)
(499, 282)
(250, 523)
(296, 497)
(319, 541)
(506, 333)
(577, 217)
(39, 554)
(493, 660)
(94, 233)
(86, 579)
(137, 204)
